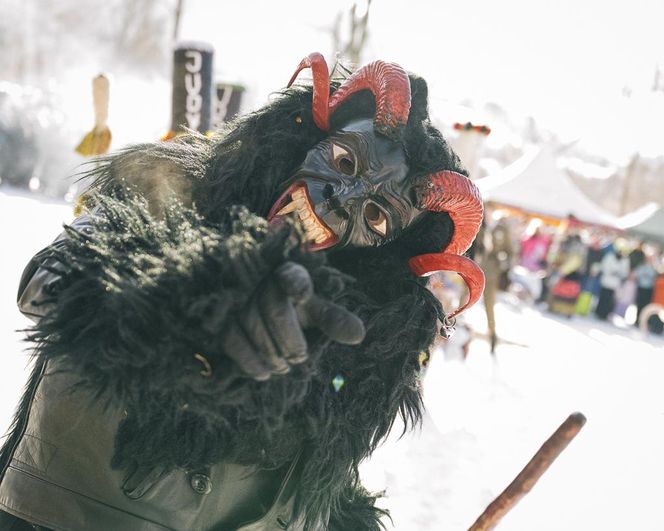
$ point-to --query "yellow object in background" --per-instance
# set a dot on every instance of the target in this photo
(98, 141)
(168, 136)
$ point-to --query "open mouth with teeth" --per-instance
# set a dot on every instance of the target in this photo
(296, 201)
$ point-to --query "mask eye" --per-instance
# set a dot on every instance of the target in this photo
(344, 160)
(376, 218)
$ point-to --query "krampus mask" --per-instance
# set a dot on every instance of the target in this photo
(355, 188)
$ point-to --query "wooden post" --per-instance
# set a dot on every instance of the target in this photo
(630, 176)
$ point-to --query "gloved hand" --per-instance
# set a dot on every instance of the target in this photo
(267, 336)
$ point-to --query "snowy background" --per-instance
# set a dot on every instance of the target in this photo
(486, 417)
(588, 75)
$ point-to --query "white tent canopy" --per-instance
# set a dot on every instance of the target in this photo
(534, 183)
(651, 228)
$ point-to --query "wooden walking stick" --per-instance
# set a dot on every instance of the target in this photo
(530, 474)
(97, 141)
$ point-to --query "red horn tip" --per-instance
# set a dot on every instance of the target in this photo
(427, 264)
(321, 81)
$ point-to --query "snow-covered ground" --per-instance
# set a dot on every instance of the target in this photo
(27, 224)
(488, 417)
(485, 418)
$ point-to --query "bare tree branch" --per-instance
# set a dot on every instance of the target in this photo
(350, 48)
(178, 16)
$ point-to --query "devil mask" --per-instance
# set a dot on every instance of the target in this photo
(354, 188)
(351, 190)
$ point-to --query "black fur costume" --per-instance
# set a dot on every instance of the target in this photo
(179, 243)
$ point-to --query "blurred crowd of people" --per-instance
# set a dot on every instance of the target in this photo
(571, 269)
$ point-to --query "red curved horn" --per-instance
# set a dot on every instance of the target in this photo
(451, 192)
(321, 80)
(390, 86)
(426, 264)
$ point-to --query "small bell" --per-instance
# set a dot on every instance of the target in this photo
(447, 330)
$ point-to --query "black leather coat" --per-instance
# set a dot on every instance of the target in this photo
(60, 476)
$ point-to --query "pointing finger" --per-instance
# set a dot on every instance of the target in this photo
(335, 321)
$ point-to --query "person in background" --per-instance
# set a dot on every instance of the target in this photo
(636, 257)
(626, 293)
(655, 324)
(645, 275)
(614, 269)
(568, 271)
(534, 249)
(625, 296)
(590, 287)
(495, 260)
(551, 261)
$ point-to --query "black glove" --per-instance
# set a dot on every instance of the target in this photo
(267, 336)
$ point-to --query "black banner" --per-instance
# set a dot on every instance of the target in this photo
(192, 87)
(227, 103)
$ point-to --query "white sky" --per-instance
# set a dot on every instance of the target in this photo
(565, 63)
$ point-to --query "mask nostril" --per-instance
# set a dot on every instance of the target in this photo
(328, 191)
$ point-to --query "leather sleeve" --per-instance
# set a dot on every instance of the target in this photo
(40, 277)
